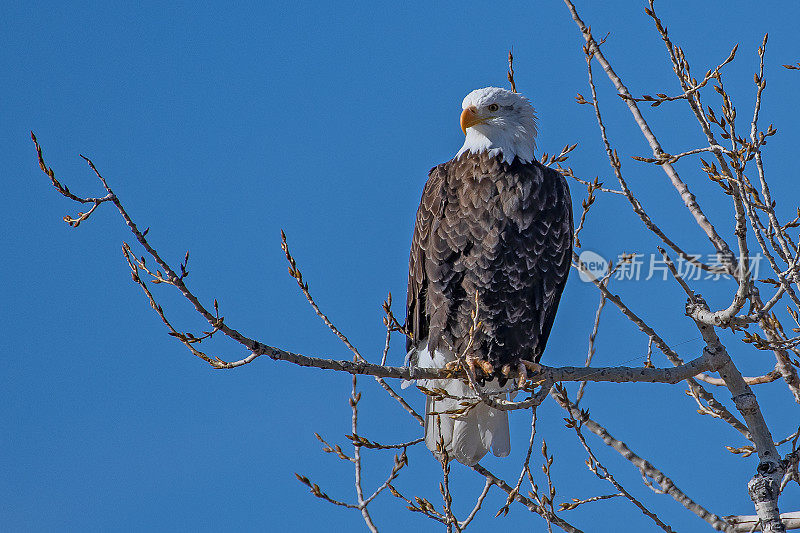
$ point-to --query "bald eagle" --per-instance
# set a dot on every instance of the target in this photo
(494, 226)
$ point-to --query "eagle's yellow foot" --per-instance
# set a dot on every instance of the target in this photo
(452, 365)
(472, 363)
(479, 366)
(485, 366)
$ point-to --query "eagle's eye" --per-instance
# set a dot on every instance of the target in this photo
(493, 107)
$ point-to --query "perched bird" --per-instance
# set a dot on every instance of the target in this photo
(494, 228)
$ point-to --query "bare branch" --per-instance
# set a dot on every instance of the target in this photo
(764, 488)
(64, 190)
(747, 523)
(617, 166)
(560, 522)
(316, 491)
(511, 71)
(593, 334)
(526, 469)
(602, 472)
(769, 377)
(697, 390)
(576, 502)
(593, 49)
(710, 75)
(648, 471)
(478, 503)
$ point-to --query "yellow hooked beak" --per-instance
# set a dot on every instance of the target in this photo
(470, 117)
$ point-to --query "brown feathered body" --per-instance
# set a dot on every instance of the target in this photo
(501, 230)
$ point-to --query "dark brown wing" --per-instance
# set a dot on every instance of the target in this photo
(430, 208)
(503, 231)
(553, 246)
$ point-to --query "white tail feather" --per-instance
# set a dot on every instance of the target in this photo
(467, 437)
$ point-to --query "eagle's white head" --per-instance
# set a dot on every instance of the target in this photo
(498, 121)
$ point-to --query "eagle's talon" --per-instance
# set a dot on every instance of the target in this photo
(452, 365)
(486, 366)
(482, 369)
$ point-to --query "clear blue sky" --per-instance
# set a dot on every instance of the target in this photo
(219, 125)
